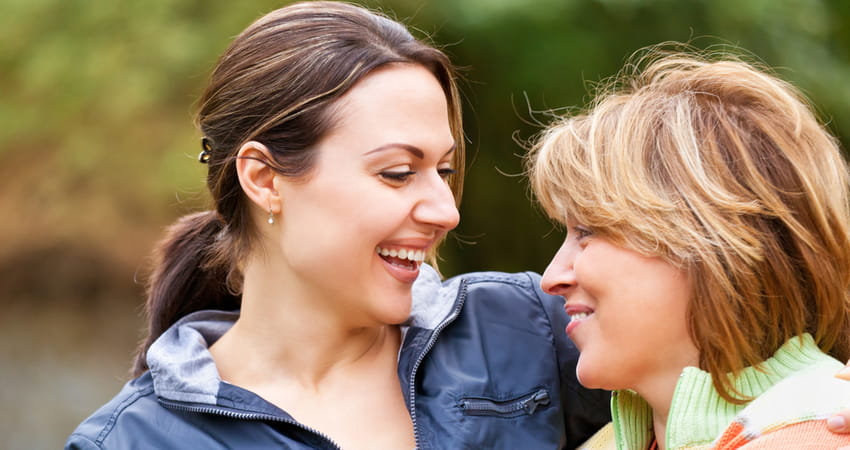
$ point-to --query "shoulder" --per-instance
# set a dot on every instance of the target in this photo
(604, 439)
(813, 433)
(509, 341)
(135, 398)
(526, 280)
(514, 319)
(507, 307)
(516, 288)
(516, 297)
(792, 411)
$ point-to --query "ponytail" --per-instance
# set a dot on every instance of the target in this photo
(190, 273)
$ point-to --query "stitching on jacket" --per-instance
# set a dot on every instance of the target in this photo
(85, 439)
(498, 277)
(549, 331)
(118, 410)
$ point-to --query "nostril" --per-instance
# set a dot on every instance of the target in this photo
(556, 281)
(558, 289)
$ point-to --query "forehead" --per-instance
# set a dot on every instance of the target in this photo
(395, 103)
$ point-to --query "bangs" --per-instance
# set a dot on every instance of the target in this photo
(561, 176)
(605, 172)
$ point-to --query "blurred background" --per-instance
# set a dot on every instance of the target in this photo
(97, 148)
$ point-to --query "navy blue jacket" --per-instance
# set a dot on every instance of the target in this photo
(485, 363)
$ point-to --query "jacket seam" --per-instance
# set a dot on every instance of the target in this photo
(113, 418)
(506, 279)
(85, 439)
(550, 332)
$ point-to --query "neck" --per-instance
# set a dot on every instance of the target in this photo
(296, 337)
(697, 414)
(657, 390)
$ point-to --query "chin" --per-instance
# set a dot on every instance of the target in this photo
(394, 319)
(397, 311)
(589, 375)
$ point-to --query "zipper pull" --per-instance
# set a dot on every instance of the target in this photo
(540, 397)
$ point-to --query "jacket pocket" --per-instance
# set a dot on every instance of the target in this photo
(524, 405)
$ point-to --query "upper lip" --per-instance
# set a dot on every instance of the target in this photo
(410, 243)
(573, 308)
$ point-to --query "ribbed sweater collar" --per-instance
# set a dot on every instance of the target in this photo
(697, 413)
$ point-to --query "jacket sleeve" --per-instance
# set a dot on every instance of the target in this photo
(79, 442)
(585, 410)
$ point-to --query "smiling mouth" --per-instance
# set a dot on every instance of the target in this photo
(580, 315)
(407, 258)
(578, 312)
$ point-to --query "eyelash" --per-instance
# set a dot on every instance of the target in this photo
(402, 176)
(397, 176)
(445, 173)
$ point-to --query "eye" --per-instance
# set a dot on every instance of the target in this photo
(581, 232)
(446, 172)
(397, 174)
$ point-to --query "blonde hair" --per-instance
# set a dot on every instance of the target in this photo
(721, 169)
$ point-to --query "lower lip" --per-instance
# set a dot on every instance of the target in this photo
(572, 326)
(574, 323)
(402, 274)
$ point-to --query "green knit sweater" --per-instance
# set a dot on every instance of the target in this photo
(795, 385)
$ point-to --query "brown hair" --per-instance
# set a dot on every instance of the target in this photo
(722, 169)
(277, 83)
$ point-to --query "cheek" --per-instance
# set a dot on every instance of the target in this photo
(681, 292)
(593, 273)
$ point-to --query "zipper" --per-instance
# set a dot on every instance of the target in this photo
(461, 298)
(246, 416)
(509, 408)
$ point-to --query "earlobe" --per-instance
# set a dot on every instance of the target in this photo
(256, 176)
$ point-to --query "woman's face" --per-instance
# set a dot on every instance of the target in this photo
(628, 312)
(354, 232)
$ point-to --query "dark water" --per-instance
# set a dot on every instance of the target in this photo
(57, 365)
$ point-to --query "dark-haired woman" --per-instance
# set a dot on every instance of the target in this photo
(288, 317)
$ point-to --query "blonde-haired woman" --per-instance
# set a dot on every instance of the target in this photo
(707, 260)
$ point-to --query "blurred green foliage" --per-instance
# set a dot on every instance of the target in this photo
(97, 146)
(96, 99)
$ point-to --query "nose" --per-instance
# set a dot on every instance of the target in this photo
(436, 206)
(559, 276)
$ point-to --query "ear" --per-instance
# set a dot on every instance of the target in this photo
(256, 177)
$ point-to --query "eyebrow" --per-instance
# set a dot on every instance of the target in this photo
(415, 151)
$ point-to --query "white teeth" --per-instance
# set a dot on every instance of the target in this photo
(408, 254)
(579, 316)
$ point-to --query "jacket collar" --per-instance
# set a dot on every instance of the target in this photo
(180, 362)
(433, 299)
(183, 368)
